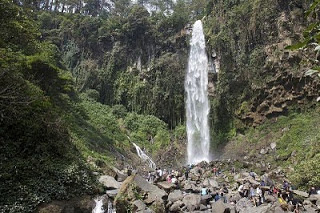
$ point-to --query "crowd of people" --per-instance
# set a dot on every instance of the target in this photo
(162, 175)
(254, 191)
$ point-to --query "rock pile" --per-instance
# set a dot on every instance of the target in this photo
(221, 192)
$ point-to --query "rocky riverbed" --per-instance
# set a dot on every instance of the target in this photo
(183, 192)
(136, 194)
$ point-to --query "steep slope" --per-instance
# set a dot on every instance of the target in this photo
(259, 79)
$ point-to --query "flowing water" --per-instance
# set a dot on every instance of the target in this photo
(197, 104)
(99, 205)
(144, 156)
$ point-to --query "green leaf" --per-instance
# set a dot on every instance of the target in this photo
(312, 7)
(298, 45)
(311, 72)
(310, 28)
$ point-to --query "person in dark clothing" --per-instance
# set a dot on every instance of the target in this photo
(312, 191)
(186, 173)
(225, 189)
(217, 197)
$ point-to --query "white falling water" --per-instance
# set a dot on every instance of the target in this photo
(99, 205)
(144, 156)
(197, 104)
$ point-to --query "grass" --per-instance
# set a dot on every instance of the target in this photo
(298, 145)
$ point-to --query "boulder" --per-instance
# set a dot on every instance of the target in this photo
(138, 205)
(192, 201)
(213, 183)
(203, 207)
(243, 204)
(112, 193)
(270, 199)
(314, 198)
(301, 193)
(165, 185)
(154, 193)
(205, 199)
(175, 196)
(176, 206)
(206, 182)
(109, 182)
(121, 175)
(220, 207)
(278, 209)
(148, 210)
(234, 198)
(236, 177)
(76, 205)
(253, 181)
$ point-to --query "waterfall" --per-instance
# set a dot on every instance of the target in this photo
(144, 156)
(99, 205)
(197, 104)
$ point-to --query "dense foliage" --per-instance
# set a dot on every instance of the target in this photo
(38, 160)
(48, 132)
(248, 39)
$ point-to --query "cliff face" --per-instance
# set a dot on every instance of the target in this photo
(259, 79)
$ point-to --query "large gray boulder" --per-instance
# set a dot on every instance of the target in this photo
(176, 207)
(175, 196)
(138, 205)
(246, 206)
(213, 183)
(220, 207)
(166, 186)
(154, 193)
(301, 193)
(112, 193)
(109, 182)
(243, 204)
(120, 175)
(314, 198)
(192, 201)
(270, 199)
(278, 209)
(205, 199)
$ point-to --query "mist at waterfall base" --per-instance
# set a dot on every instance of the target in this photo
(197, 103)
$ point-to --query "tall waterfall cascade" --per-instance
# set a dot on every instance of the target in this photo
(197, 103)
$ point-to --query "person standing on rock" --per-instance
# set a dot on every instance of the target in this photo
(186, 173)
(233, 170)
(215, 171)
(259, 195)
(217, 197)
(204, 190)
(224, 189)
(241, 190)
(312, 191)
(223, 197)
